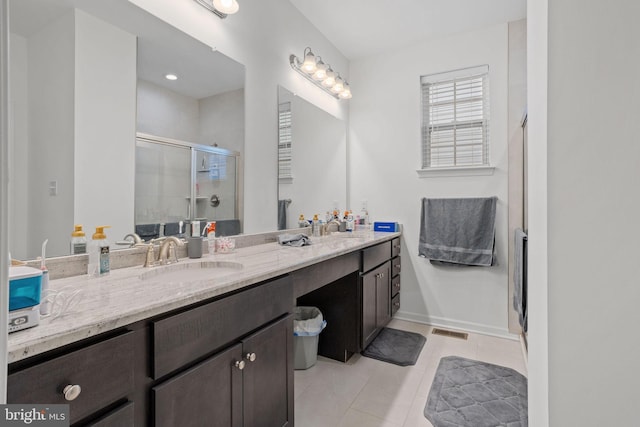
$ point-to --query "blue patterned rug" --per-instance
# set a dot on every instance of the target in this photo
(469, 393)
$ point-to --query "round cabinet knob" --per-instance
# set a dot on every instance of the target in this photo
(251, 357)
(398, 285)
(240, 364)
(397, 304)
(71, 392)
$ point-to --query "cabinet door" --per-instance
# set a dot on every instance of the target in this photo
(268, 375)
(209, 394)
(383, 295)
(369, 293)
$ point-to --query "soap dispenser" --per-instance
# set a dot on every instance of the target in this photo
(98, 253)
(78, 241)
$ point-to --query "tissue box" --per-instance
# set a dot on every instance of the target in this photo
(389, 227)
(24, 287)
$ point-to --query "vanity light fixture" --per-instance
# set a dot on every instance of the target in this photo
(221, 8)
(320, 74)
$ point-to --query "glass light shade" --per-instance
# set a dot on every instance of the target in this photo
(330, 80)
(321, 71)
(338, 86)
(226, 6)
(309, 64)
(346, 92)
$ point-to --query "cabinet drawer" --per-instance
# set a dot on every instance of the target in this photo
(396, 266)
(375, 255)
(395, 304)
(395, 286)
(122, 416)
(187, 336)
(395, 247)
(104, 372)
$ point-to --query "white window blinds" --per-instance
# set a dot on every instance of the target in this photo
(284, 140)
(455, 118)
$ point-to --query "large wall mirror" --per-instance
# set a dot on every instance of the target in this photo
(86, 76)
(312, 160)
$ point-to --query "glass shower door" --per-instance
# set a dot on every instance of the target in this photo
(163, 183)
(216, 186)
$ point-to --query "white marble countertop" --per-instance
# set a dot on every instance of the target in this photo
(124, 297)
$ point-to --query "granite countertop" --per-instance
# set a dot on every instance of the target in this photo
(128, 295)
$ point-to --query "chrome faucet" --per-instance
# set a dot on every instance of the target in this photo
(167, 249)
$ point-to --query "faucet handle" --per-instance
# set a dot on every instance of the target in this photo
(150, 257)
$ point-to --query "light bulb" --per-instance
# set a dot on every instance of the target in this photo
(330, 80)
(346, 92)
(309, 64)
(226, 6)
(338, 86)
(321, 71)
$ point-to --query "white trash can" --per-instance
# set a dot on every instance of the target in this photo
(307, 325)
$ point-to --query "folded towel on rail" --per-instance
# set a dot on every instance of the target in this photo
(458, 231)
(519, 277)
(294, 240)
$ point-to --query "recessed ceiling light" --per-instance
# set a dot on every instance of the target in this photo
(171, 77)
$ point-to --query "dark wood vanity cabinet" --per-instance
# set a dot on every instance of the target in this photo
(396, 267)
(248, 384)
(224, 362)
(375, 289)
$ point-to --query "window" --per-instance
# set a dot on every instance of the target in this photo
(284, 141)
(455, 118)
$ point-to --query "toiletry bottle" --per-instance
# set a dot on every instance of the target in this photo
(302, 223)
(315, 226)
(349, 221)
(45, 305)
(78, 241)
(98, 253)
(211, 237)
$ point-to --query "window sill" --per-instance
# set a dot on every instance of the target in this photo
(455, 171)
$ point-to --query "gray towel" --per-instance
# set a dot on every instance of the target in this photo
(520, 278)
(282, 214)
(294, 240)
(458, 231)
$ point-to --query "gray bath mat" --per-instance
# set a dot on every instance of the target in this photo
(395, 346)
(469, 393)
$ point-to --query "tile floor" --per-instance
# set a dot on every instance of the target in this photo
(368, 393)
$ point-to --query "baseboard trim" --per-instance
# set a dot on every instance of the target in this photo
(443, 322)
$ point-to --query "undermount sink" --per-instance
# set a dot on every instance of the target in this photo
(192, 272)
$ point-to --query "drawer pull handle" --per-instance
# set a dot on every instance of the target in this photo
(396, 304)
(397, 266)
(251, 357)
(240, 364)
(398, 285)
(396, 246)
(71, 392)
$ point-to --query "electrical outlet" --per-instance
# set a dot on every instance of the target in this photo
(335, 205)
(363, 205)
(53, 188)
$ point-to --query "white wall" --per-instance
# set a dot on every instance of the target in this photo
(104, 149)
(537, 298)
(261, 36)
(165, 113)
(385, 153)
(51, 133)
(593, 210)
(221, 120)
(18, 148)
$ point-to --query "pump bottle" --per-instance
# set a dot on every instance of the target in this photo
(98, 253)
(78, 241)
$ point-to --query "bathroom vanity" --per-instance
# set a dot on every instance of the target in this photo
(140, 350)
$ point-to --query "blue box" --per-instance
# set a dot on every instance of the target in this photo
(24, 287)
(389, 227)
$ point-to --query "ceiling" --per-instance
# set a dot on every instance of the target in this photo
(162, 49)
(361, 28)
